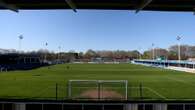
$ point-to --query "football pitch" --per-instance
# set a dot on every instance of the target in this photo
(157, 83)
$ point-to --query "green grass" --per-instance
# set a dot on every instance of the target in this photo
(40, 83)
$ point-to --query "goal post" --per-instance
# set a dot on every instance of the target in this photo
(98, 89)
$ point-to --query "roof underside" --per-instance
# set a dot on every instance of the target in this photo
(156, 5)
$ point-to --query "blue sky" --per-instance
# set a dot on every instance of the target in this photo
(94, 29)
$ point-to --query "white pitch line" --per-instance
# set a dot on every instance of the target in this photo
(147, 69)
(158, 94)
(155, 92)
(181, 81)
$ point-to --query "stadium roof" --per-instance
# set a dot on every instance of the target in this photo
(154, 5)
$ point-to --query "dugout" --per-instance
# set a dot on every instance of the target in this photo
(19, 61)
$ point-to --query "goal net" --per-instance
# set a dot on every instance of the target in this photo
(98, 89)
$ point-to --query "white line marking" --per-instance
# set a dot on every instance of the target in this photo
(181, 81)
(155, 92)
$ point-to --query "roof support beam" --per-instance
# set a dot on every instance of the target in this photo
(143, 5)
(8, 6)
(71, 4)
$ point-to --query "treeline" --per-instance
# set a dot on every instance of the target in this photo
(118, 54)
(186, 51)
(171, 53)
(46, 55)
(43, 55)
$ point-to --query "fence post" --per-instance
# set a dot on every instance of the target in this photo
(126, 91)
(99, 94)
(141, 91)
(69, 90)
(56, 91)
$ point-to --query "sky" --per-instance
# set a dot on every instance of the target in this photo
(94, 29)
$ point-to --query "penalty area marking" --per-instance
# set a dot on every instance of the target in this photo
(180, 81)
(153, 91)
